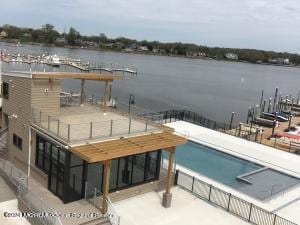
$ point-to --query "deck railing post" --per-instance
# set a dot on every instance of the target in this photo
(85, 189)
(275, 217)
(229, 202)
(40, 118)
(91, 130)
(250, 211)
(111, 127)
(290, 146)
(146, 126)
(210, 187)
(95, 195)
(129, 126)
(49, 118)
(193, 184)
(256, 135)
(69, 131)
(58, 125)
(176, 177)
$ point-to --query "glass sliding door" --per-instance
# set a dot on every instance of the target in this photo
(53, 171)
(68, 173)
(51, 160)
(114, 174)
(152, 165)
(76, 180)
(94, 175)
(61, 172)
(138, 173)
(125, 171)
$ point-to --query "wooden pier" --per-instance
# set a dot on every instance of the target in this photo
(65, 61)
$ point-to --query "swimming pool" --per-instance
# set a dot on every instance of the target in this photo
(240, 174)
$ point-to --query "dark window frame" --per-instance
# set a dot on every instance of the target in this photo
(5, 90)
(17, 142)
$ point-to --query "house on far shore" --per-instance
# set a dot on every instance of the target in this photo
(283, 61)
(60, 40)
(231, 56)
(3, 34)
(143, 48)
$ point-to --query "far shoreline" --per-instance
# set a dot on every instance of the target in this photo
(142, 53)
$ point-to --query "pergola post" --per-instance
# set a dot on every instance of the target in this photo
(167, 196)
(105, 96)
(82, 94)
(105, 184)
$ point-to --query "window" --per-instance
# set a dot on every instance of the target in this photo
(138, 174)
(5, 89)
(125, 171)
(48, 153)
(17, 141)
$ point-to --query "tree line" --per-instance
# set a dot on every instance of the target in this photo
(47, 34)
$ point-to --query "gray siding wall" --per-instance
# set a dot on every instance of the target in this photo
(24, 94)
(18, 103)
(46, 101)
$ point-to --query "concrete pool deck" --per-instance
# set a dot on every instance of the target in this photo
(186, 209)
(257, 153)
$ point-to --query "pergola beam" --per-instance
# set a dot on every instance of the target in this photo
(70, 75)
(105, 96)
(82, 93)
(112, 149)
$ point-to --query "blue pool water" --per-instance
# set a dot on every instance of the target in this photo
(262, 182)
(214, 164)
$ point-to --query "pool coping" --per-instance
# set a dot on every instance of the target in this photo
(263, 167)
(275, 159)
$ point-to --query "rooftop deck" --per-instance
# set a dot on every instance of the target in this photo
(77, 125)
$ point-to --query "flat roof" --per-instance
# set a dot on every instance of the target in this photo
(101, 151)
(65, 75)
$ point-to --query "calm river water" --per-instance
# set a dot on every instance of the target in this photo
(212, 88)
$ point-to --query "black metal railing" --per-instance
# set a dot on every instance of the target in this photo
(231, 203)
(250, 132)
(188, 116)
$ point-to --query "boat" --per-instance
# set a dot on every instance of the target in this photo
(275, 116)
(289, 136)
(55, 61)
(263, 122)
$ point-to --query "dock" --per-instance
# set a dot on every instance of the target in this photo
(56, 61)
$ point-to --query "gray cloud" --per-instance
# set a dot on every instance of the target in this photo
(232, 23)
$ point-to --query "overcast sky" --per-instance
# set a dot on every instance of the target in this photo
(262, 24)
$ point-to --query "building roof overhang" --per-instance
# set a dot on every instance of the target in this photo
(71, 75)
(106, 77)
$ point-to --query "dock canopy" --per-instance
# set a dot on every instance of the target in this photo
(102, 151)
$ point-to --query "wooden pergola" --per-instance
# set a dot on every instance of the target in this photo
(106, 78)
(106, 151)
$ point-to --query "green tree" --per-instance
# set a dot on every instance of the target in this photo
(72, 36)
(103, 38)
(49, 33)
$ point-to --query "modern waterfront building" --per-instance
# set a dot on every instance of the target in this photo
(66, 148)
